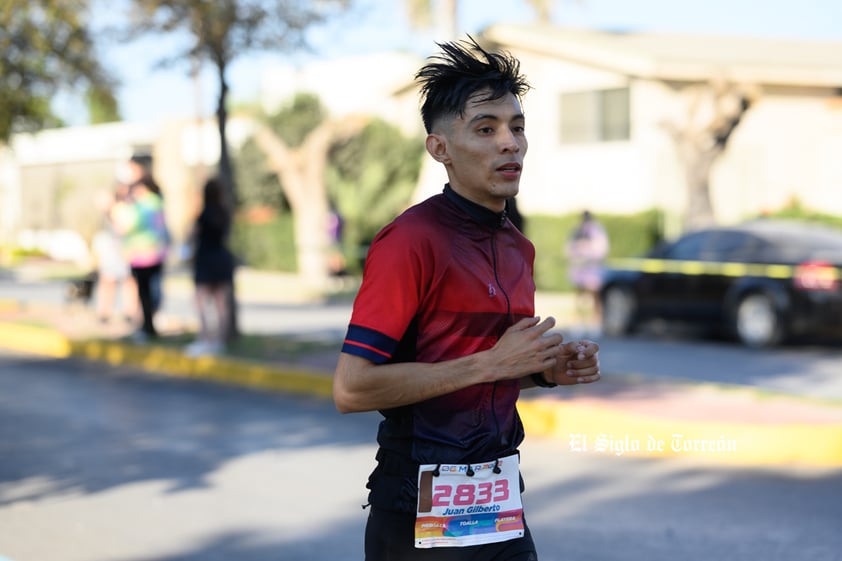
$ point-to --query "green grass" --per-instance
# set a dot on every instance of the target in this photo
(262, 348)
(277, 347)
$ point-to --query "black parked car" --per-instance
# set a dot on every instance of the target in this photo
(762, 282)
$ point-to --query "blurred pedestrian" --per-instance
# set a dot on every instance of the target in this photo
(141, 223)
(213, 270)
(587, 248)
(113, 271)
(336, 258)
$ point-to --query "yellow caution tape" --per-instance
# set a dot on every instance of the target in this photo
(695, 268)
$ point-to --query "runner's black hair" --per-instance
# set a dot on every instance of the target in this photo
(451, 77)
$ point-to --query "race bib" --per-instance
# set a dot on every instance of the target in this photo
(461, 505)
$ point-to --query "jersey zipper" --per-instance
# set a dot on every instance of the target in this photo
(509, 314)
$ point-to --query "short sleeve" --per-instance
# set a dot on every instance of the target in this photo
(389, 297)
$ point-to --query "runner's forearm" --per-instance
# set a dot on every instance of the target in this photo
(360, 385)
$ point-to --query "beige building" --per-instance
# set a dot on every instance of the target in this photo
(596, 120)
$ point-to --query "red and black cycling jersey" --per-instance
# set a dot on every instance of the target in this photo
(444, 280)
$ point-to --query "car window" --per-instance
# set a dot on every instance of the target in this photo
(688, 248)
(764, 245)
(796, 248)
(734, 247)
(785, 242)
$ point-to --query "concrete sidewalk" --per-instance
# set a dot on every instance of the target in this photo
(621, 415)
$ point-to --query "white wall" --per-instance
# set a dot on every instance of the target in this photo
(564, 178)
(787, 146)
(10, 200)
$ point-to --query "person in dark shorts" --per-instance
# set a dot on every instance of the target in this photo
(443, 333)
(213, 270)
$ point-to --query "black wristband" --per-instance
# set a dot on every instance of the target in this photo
(541, 381)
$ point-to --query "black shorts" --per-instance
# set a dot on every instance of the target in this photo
(390, 536)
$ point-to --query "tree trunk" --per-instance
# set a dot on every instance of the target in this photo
(312, 242)
(226, 175)
(304, 186)
(698, 213)
(301, 172)
(700, 144)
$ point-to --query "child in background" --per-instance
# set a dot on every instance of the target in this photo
(113, 272)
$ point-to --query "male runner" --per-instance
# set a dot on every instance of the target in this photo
(443, 335)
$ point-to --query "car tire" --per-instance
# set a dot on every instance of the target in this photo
(757, 322)
(619, 307)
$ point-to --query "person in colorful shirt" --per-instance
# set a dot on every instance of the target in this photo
(141, 223)
(443, 333)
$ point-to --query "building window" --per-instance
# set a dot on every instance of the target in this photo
(595, 116)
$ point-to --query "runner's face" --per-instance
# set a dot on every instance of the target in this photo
(483, 149)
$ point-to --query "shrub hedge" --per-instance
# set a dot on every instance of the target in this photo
(266, 245)
(269, 245)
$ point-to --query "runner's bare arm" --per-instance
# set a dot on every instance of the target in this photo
(361, 385)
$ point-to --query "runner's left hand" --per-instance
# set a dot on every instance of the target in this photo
(577, 363)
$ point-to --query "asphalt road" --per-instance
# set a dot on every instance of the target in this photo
(110, 464)
(810, 370)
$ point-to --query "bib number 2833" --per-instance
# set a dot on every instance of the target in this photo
(458, 506)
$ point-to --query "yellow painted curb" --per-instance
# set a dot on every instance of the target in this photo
(174, 362)
(33, 339)
(594, 429)
(162, 360)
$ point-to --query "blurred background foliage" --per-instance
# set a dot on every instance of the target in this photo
(795, 210)
(47, 46)
(264, 244)
(370, 179)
